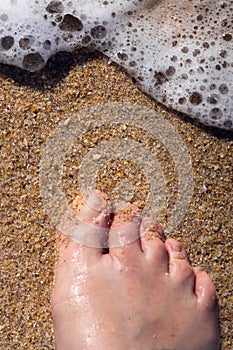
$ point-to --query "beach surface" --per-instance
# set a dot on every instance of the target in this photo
(31, 107)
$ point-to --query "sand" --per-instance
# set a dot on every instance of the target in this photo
(31, 106)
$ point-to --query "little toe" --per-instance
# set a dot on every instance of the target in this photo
(124, 232)
(152, 245)
(180, 270)
(205, 289)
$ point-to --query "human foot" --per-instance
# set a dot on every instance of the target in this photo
(140, 296)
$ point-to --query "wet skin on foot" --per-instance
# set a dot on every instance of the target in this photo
(141, 295)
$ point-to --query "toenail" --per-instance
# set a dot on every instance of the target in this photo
(176, 246)
(199, 268)
(151, 229)
(148, 224)
(95, 202)
(179, 256)
(176, 250)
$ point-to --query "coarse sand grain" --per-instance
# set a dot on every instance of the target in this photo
(31, 106)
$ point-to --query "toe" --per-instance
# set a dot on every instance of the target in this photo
(90, 207)
(180, 270)
(205, 289)
(154, 249)
(87, 222)
(80, 239)
(124, 232)
(150, 228)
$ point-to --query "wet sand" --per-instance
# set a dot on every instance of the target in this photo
(31, 106)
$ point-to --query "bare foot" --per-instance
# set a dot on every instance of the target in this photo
(141, 296)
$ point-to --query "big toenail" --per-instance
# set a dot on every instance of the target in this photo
(95, 202)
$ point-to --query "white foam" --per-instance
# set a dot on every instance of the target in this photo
(180, 52)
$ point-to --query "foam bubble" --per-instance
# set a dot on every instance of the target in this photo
(181, 53)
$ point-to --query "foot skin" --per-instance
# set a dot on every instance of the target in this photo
(141, 296)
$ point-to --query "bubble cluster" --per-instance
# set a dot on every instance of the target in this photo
(32, 31)
(180, 52)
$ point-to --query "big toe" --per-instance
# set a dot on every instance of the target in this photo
(80, 240)
(87, 221)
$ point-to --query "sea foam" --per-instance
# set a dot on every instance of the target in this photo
(180, 52)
